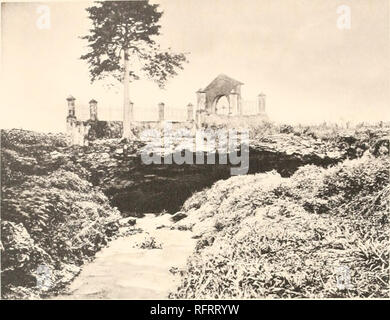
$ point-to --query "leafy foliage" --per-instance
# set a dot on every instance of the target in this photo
(286, 238)
(49, 215)
(128, 28)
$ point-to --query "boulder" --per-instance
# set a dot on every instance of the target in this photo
(132, 221)
(178, 216)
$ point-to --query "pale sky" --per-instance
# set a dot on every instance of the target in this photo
(292, 50)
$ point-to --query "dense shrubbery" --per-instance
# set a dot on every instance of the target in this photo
(275, 237)
(260, 235)
(50, 216)
(333, 132)
(328, 131)
(27, 140)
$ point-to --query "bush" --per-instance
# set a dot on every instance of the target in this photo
(358, 177)
(51, 217)
(288, 239)
(150, 243)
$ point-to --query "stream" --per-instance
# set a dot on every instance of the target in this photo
(123, 270)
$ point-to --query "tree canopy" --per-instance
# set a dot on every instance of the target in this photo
(127, 29)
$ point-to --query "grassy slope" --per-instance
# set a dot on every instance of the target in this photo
(265, 236)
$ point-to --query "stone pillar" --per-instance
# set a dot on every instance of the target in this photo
(201, 107)
(71, 117)
(71, 106)
(93, 110)
(190, 112)
(201, 100)
(233, 103)
(261, 103)
(239, 100)
(161, 111)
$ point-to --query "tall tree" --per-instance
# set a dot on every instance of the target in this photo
(122, 44)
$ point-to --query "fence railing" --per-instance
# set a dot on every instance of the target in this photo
(140, 113)
(159, 112)
(249, 107)
(175, 114)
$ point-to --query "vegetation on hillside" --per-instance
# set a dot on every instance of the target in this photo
(52, 219)
(55, 215)
(267, 236)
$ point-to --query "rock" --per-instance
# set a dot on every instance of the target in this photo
(56, 155)
(67, 273)
(178, 216)
(381, 147)
(132, 221)
(105, 155)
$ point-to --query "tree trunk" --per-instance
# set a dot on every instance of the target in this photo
(127, 112)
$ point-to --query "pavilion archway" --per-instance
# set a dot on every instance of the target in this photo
(222, 87)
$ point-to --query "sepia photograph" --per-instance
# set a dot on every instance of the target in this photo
(170, 150)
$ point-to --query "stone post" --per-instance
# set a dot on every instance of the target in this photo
(190, 112)
(261, 103)
(71, 118)
(239, 100)
(201, 107)
(93, 110)
(161, 111)
(201, 100)
(71, 106)
(233, 103)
